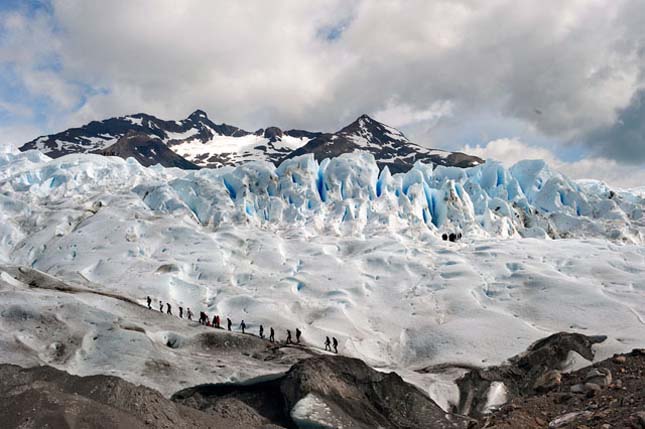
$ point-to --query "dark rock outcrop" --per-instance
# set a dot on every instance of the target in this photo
(147, 151)
(46, 397)
(619, 404)
(530, 372)
(388, 145)
(344, 392)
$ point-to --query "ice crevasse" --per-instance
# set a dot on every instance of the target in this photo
(347, 194)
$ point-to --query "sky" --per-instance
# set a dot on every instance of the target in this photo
(502, 79)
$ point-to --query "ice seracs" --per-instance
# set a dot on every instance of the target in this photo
(350, 193)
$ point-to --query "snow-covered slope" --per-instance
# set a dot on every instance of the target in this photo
(335, 248)
(206, 144)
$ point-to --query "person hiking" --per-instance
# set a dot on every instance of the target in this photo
(243, 326)
(261, 332)
(218, 321)
(201, 317)
(161, 306)
(189, 314)
(181, 312)
(298, 334)
(327, 344)
(229, 323)
(271, 335)
(149, 303)
(335, 342)
(214, 324)
(289, 337)
(169, 310)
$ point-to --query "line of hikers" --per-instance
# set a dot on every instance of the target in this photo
(205, 320)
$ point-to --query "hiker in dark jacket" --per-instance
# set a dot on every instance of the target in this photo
(298, 334)
(161, 306)
(271, 335)
(289, 337)
(243, 326)
(189, 314)
(261, 332)
(149, 303)
(229, 323)
(327, 344)
(181, 312)
(335, 342)
(168, 308)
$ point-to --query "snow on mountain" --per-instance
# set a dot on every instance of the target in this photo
(388, 145)
(206, 144)
(336, 248)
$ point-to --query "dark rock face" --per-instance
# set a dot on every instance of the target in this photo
(577, 403)
(46, 397)
(147, 150)
(532, 371)
(389, 146)
(274, 134)
(345, 391)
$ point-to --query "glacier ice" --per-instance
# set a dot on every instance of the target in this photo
(335, 247)
(347, 194)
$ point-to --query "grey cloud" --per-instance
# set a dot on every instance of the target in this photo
(625, 139)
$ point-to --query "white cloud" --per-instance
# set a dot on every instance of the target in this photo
(559, 68)
(401, 114)
(510, 151)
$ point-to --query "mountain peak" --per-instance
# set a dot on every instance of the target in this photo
(198, 114)
(366, 124)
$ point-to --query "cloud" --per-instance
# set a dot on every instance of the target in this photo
(625, 139)
(401, 114)
(560, 71)
(510, 151)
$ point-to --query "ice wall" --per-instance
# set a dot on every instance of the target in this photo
(347, 194)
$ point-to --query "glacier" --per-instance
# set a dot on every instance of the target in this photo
(336, 247)
(347, 194)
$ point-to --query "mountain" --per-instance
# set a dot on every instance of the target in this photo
(388, 145)
(147, 150)
(203, 143)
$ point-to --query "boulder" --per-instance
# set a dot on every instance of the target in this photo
(532, 371)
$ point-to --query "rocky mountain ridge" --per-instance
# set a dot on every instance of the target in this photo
(203, 143)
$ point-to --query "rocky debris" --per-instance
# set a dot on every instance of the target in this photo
(548, 380)
(619, 359)
(331, 391)
(607, 395)
(535, 370)
(46, 397)
(599, 376)
(567, 418)
(639, 419)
